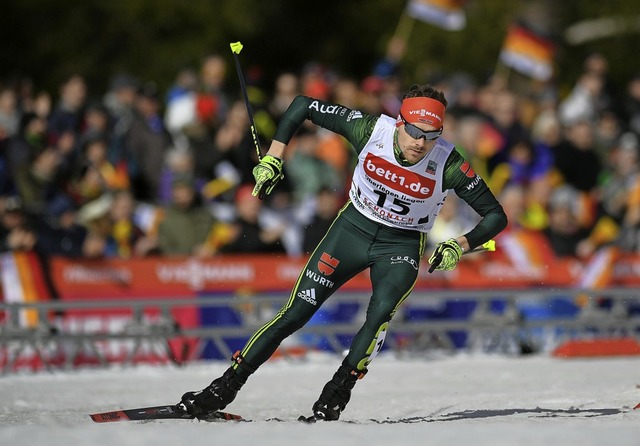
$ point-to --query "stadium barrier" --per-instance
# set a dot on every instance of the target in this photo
(177, 330)
(162, 310)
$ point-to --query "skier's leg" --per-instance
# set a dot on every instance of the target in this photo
(393, 276)
(340, 255)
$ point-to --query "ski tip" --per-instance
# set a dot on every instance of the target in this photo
(231, 416)
(637, 406)
(106, 417)
(221, 416)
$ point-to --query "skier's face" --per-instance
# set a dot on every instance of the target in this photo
(413, 149)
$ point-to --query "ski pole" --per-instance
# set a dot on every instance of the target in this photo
(235, 49)
(487, 246)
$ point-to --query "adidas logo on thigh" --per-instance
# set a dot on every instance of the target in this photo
(309, 296)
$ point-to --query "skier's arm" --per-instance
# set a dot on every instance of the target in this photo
(354, 125)
(474, 191)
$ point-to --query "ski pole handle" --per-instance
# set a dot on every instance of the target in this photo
(488, 246)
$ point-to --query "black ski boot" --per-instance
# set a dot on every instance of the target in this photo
(216, 396)
(336, 393)
(222, 391)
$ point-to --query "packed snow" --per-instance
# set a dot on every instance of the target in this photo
(428, 400)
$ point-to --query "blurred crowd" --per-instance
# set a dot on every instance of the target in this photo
(135, 171)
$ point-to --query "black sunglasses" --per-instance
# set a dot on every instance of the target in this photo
(417, 133)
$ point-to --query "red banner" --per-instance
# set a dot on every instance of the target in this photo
(158, 277)
(114, 279)
(170, 277)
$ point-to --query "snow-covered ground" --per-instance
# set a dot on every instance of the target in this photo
(460, 400)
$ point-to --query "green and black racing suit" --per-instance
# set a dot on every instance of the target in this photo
(356, 242)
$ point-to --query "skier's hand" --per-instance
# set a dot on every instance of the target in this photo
(267, 174)
(446, 256)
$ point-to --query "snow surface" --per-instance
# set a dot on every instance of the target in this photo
(452, 400)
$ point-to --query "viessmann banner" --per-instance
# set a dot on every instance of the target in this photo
(158, 277)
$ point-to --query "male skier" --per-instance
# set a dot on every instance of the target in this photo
(400, 182)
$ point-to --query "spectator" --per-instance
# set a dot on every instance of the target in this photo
(463, 94)
(187, 225)
(6, 182)
(67, 114)
(178, 162)
(524, 163)
(473, 134)
(146, 142)
(307, 172)
(47, 153)
(16, 234)
(59, 233)
(180, 113)
(95, 217)
(546, 128)
(598, 65)
(326, 206)
(287, 87)
(249, 233)
(233, 143)
(564, 232)
(371, 95)
(194, 117)
(96, 157)
(37, 183)
(575, 157)
(7, 130)
(119, 101)
(31, 138)
(505, 118)
(130, 239)
(621, 194)
(525, 249)
(213, 74)
(315, 81)
(622, 179)
(345, 92)
(450, 221)
(9, 113)
(582, 102)
(185, 83)
(631, 104)
(97, 123)
(607, 130)
(41, 105)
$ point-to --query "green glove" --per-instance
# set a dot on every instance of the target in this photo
(267, 174)
(446, 256)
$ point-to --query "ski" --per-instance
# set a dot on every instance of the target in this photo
(168, 412)
(176, 412)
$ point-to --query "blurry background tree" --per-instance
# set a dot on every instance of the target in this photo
(47, 40)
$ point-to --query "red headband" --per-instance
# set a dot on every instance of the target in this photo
(423, 110)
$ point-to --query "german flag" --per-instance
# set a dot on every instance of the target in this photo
(447, 14)
(22, 279)
(528, 52)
